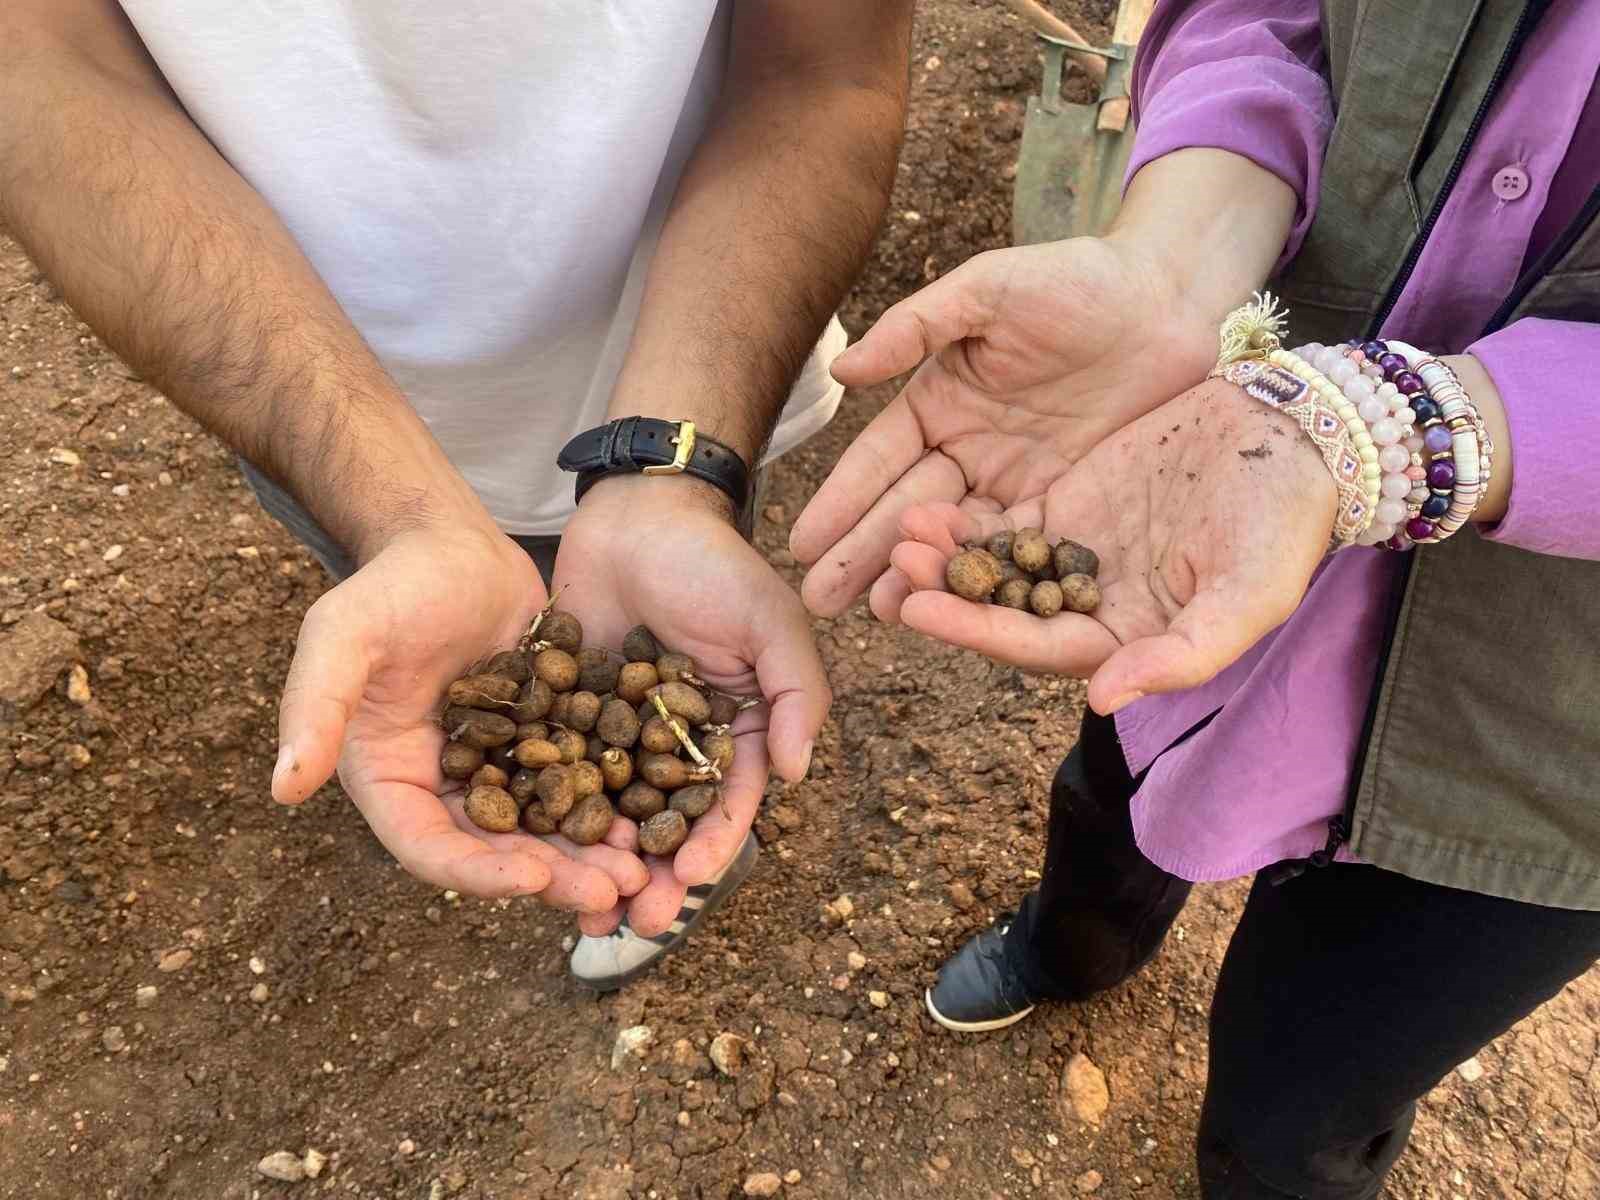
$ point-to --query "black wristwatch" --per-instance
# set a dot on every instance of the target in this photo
(652, 446)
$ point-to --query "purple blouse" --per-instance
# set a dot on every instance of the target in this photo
(1259, 783)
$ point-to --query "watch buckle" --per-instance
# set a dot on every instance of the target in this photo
(680, 460)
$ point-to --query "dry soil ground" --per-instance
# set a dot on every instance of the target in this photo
(302, 992)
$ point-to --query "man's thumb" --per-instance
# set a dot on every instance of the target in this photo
(325, 683)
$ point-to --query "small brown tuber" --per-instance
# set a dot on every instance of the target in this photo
(973, 574)
(656, 737)
(557, 668)
(635, 680)
(1046, 598)
(587, 779)
(583, 710)
(562, 630)
(491, 808)
(639, 645)
(674, 667)
(1080, 594)
(618, 724)
(616, 768)
(724, 708)
(663, 833)
(475, 727)
(684, 701)
(1029, 550)
(510, 664)
(639, 801)
(557, 790)
(538, 822)
(491, 692)
(718, 747)
(571, 745)
(589, 821)
(459, 761)
(1014, 593)
(664, 771)
(535, 753)
(695, 801)
(597, 670)
(489, 775)
(1069, 558)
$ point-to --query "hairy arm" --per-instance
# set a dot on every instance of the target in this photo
(773, 216)
(185, 271)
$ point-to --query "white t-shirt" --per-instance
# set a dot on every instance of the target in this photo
(481, 183)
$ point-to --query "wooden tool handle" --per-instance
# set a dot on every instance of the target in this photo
(1046, 22)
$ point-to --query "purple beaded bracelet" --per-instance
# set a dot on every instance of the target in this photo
(1432, 449)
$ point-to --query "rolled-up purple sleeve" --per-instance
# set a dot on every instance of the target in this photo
(1238, 75)
(1543, 371)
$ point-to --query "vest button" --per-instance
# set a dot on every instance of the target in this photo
(1510, 183)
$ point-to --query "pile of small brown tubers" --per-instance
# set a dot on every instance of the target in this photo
(1023, 570)
(559, 737)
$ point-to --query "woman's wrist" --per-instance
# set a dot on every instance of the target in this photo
(1479, 386)
(1212, 221)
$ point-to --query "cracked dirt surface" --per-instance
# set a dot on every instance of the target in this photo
(431, 1044)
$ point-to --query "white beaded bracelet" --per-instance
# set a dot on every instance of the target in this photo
(1470, 446)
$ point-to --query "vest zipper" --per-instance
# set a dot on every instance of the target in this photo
(1519, 34)
(1341, 826)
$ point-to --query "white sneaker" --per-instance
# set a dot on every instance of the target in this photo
(607, 963)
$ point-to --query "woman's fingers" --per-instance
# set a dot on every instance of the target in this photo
(1211, 632)
(845, 568)
(887, 595)
(1065, 644)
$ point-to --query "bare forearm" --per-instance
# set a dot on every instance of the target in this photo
(771, 222)
(1215, 222)
(184, 270)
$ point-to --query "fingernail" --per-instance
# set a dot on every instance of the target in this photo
(285, 765)
(805, 759)
(1122, 702)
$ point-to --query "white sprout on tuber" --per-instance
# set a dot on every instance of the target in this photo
(708, 769)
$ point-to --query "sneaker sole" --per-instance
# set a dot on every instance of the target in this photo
(738, 872)
(971, 1026)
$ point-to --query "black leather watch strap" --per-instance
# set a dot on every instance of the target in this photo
(652, 446)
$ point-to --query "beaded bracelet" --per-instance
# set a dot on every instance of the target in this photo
(1430, 464)
(1471, 448)
(1280, 388)
(1389, 419)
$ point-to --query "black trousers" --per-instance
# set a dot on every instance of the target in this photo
(1346, 993)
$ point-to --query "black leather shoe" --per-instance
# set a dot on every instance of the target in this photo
(981, 988)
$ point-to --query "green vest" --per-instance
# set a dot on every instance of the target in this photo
(1481, 765)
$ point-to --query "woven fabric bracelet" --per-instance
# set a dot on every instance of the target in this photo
(1280, 388)
(1254, 333)
(1360, 436)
